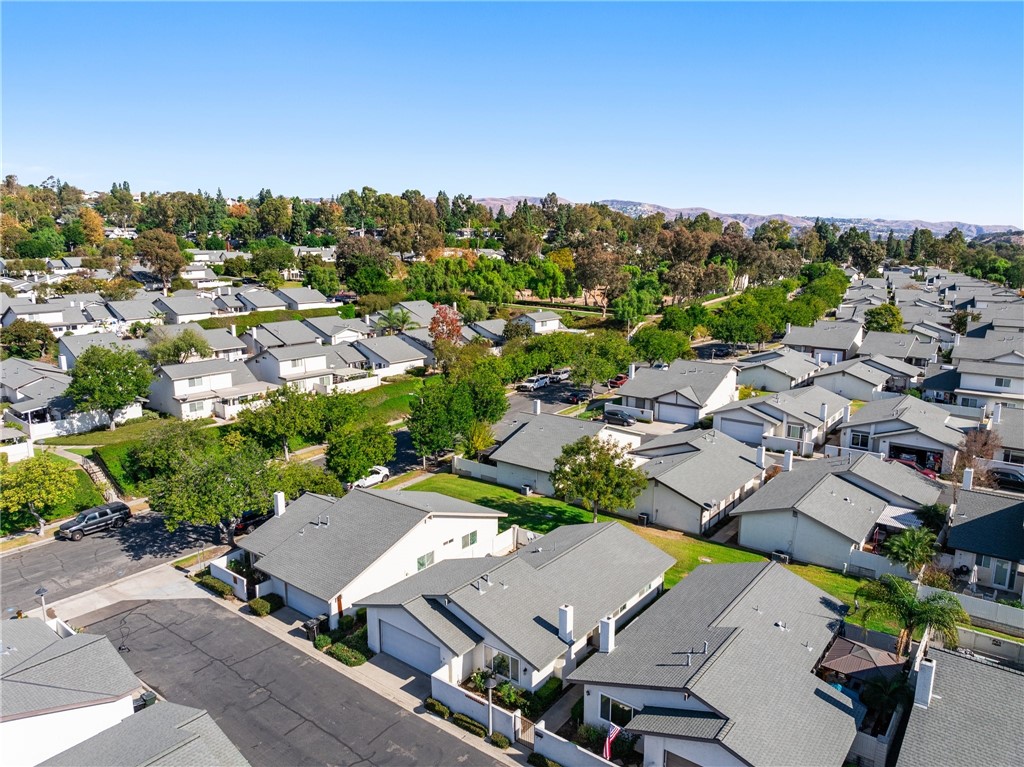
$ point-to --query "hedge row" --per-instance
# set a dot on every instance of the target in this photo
(215, 585)
(500, 741)
(346, 655)
(469, 725)
(435, 706)
(539, 760)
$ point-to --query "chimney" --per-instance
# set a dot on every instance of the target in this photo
(234, 329)
(565, 623)
(536, 407)
(823, 412)
(366, 319)
(455, 306)
(997, 412)
(968, 478)
(760, 457)
(956, 339)
(62, 360)
(632, 371)
(279, 504)
(925, 683)
(787, 461)
(789, 328)
(607, 634)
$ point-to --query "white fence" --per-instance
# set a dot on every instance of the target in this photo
(986, 644)
(473, 706)
(467, 468)
(974, 413)
(358, 384)
(782, 444)
(17, 451)
(219, 570)
(870, 751)
(877, 395)
(984, 612)
(76, 423)
(560, 750)
(512, 539)
(861, 561)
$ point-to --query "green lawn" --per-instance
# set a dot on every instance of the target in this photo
(84, 496)
(843, 588)
(388, 402)
(130, 432)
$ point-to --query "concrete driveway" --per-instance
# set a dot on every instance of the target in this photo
(277, 705)
(66, 568)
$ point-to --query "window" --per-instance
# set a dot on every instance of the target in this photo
(502, 664)
(1013, 456)
(614, 712)
(983, 560)
(193, 382)
(968, 402)
(645, 589)
(860, 439)
(795, 431)
(1002, 383)
(196, 407)
(422, 563)
(468, 539)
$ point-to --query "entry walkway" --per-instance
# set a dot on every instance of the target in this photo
(559, 713)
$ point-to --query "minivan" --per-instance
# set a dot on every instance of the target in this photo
(619, 418)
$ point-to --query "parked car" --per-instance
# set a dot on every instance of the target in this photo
(377, 475)
(619, 418)
(562, 374)
(577, 397)
(250, 520)
(919, 469)
(616, 382)
(1008, 479)
(533, 383)
(109, 516)
(659, 365)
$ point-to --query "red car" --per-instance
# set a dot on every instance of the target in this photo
(616, 382)
(919, 469)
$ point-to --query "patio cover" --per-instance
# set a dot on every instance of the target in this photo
(861, 661)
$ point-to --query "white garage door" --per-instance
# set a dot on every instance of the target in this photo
(304, 602)
(409, 649)
(676, 414)
(743, 431)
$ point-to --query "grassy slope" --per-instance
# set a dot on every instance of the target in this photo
(244, 322)
(127, 433)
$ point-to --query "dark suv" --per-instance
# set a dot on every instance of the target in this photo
(250, 520)
(108, 516)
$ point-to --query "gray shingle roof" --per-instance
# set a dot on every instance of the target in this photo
(823, 335)
(993, 346)
(261, 299)
(890, 365)
(539, 442)
(803, 404)
(301, 295)
(285, 333)
(911, 414)
(696, 381)
(855, 367)
(16, 372)
(330, 326)
(323, 559)
(78, 344)
(299, 352)
(974, 717)
(219, 339)
(391, 349)
(980, 367)
(783, 360)
(163, 734)
(1011, 427)
(987, 523)
(201, 368)
(542, 316)
(453, 632)
(678, 723)
(738, 609)
(941, 378)
(133, 310)
(42, 672)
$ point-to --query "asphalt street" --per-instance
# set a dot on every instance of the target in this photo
(66, 568)
(276, 704)
(405, 457)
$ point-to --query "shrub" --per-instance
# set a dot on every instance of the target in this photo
(259, 607)
(359, 641)
(539, 760)
(218, 587)
(346, 622)
(937, 578)
(437, 707)
(548, 693)
(591, 737)
(478, 680)
(276, 601)
(346, 655)
(576, 714)
(470, 725)
(500, 741)
(361, 615)
(322, 641)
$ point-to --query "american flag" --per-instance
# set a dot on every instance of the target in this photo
(613, 733)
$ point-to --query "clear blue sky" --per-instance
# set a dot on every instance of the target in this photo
(875, 109)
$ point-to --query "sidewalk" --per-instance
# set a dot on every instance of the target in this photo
(559, 713)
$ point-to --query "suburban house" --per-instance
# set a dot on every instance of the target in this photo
(1009, 424)
(826, 341)
(899, 346)
(229, 303)
(259, 300)
(222, 341)
(826, 511)
(694, 479)
(683, 393)
(909, 429)
(492, 330)
(303, 367)
(202, 277)
(966, 711)
(390, 355)
(719, 671)
(270, 335)
(985, 532)
(135, 310)
(323, 554)
(527, 456)
(420, 314)
(206, 389)
(525, 617)
(987, 384)
(852, 378)
(302, 298)
(58, 316)
(797, 420)
(334, 330)
(541, 322)
(775, 370)
(178, 310)
(70, 348)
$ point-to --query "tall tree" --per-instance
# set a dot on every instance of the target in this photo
(28, 340)
(351, 453)
(323, 279)
(446, 325)
(885, 318)
(598, 472)
(158, 251)
(34, 486)
(653, 344)
(897, 599)
(108, 379)
(167, 347)
(440, 417)
(288, 413)
(914, 548)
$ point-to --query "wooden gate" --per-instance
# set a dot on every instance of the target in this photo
(524, 734)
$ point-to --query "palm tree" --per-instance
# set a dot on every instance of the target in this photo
(914, 548)
(397, 320)
(885, 693)
(897, 599)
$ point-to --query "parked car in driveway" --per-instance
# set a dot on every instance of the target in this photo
(577, 397)
(533, 383)
(1008, 479)
(109, 516)
(618, 381)
(619, 418)
(377, 475)
(250, 520)
(919, 469)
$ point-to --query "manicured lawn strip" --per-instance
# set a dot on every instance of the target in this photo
(244, 322)
(127, 433)
(690, 552)
(115, 459)
(85, 452)
(388, 402)
(843, 588)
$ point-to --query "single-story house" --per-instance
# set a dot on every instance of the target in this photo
(335, 330)
(985, 531)
(322, 554)
(179, 310)
(260, 300)
(694, 479)
(302, 298)
(528, 455)
(910, 429)
(826, 341)
(798, 419)
(229, 303)
(70, 348)
(899, 346)
(135, 310)
(720, 671)
(853, 379)
(492, 330)
(420, 314)
(525, 617)
(775, 370)
(824, 511)
(683, 393)
(270, 335)
(541, 322)
(205, 389)
(390, 355)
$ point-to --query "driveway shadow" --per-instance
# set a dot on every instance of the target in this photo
(147, 537)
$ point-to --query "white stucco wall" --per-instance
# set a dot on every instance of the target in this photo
(666, 508)
(703, 753)
(847, 385)
(35, 739)
(764, 379)
(517, 476)
(805, 539)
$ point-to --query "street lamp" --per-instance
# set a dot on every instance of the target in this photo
(41, 592)
(490, 685)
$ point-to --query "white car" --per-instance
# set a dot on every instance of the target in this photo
(533, 383)
(562, 374)
(377, 475)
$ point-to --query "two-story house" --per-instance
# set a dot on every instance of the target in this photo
(206, 389)
(985, 532)
(390, 355)
(776, 369)
(541, 322)
(303, 367)
(335, 330)
(302, 298)
(826, 341)
(683, 393)
(270, 335)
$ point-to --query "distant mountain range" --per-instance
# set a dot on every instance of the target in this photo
(750, 221)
